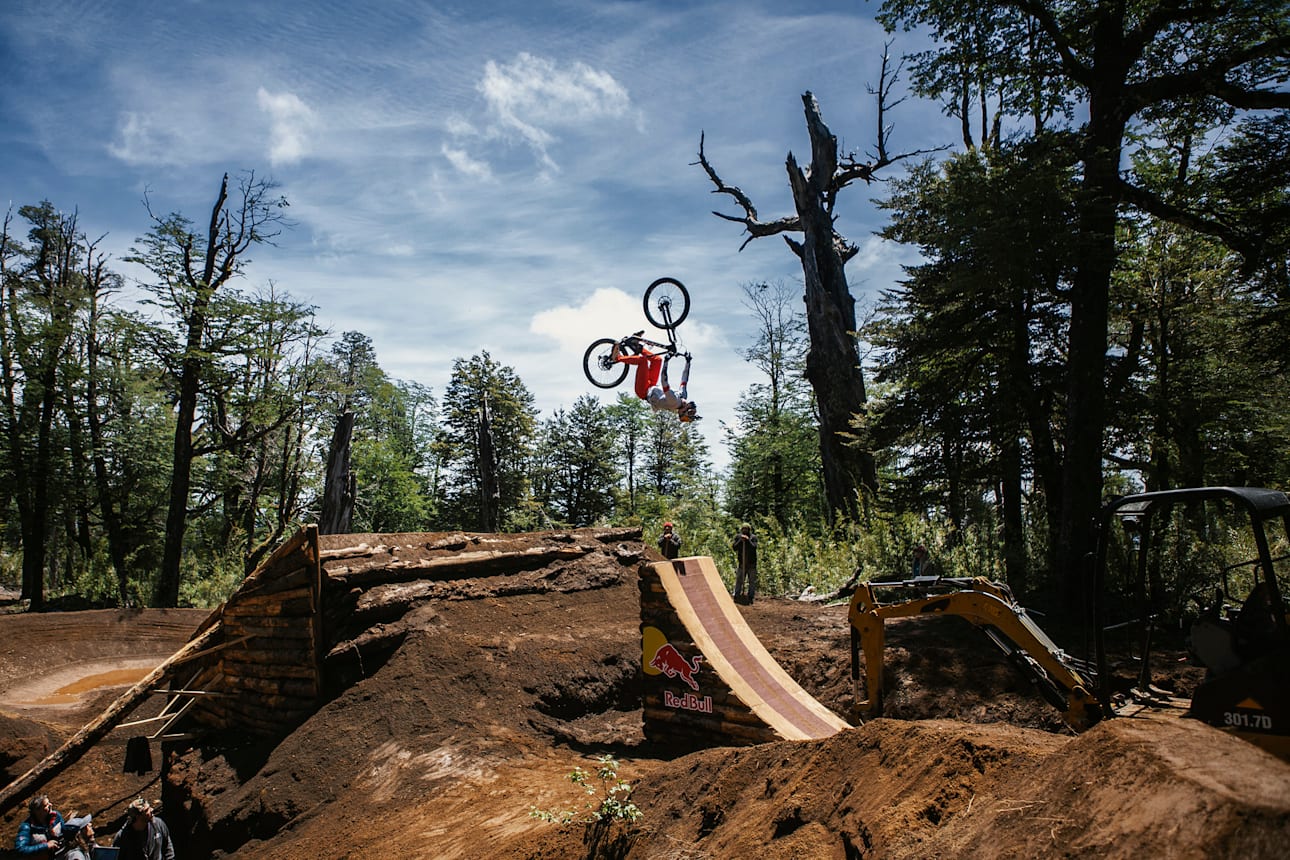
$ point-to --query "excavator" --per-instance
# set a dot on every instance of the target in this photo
(1238, 629)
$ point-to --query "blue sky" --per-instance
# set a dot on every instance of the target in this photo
(463, 176)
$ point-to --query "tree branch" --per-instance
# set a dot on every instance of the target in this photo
(755, 227)
(1211, 78)
(1247, 246)
(1044, 17)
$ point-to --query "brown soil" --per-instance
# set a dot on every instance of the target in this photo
(499, 686)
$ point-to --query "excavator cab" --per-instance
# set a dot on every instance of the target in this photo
(1228, 591)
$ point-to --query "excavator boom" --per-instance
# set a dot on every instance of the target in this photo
(989, 606)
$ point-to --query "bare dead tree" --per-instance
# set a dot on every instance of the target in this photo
(490, 493)
(340, 486)
(832, 362)
(190, 267)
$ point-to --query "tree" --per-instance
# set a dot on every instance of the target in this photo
(832, 362)
(972, 338)
(43, 290)
(512, 428)
(630, 417)
(129, 419)
(256, 393)
(189, 269)
(1124, 60)
(577, 457)
(393, 464)
(775, 466)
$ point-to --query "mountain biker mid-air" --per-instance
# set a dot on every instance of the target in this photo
(651, 379)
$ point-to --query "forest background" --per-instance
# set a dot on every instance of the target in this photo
(1103, 266)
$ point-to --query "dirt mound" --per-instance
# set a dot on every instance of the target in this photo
(486, 693)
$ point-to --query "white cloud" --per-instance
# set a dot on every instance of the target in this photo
(532, 95)
(467, 165)
(290, 121)
(608, 312)
(136, 140)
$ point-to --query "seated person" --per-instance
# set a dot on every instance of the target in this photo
(40, 833)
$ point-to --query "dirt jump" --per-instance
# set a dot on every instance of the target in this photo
(455, 703)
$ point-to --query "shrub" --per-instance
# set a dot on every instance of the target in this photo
(610, 797)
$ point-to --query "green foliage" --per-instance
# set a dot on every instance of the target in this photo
(573, 468)
(391, 449)
(209, 579)
(971, 339)
(775, 466)
(474, 382)
(609, 797)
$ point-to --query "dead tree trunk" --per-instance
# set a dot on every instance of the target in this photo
(339, 487)
(833, 360)
(489, 493)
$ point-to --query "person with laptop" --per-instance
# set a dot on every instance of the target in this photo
(144, 836)
(78, 838)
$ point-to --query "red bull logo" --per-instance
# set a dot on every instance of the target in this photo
(669, 661)
(659, 656)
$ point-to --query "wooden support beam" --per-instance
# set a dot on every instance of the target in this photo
(187, 658)
(66, 755)
(176, 717)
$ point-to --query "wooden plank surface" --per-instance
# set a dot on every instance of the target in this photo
(699, 597)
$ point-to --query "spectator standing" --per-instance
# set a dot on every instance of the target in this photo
(745, 547)
(669, 543)
(923, 566)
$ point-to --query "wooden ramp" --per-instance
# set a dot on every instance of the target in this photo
(708, 679)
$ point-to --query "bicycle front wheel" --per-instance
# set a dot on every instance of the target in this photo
(599, 365)
(667, 303)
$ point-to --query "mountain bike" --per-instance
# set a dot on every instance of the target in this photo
(667, 304)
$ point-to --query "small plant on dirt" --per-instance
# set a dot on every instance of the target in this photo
(610, 797)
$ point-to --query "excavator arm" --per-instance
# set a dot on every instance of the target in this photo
(987, 605)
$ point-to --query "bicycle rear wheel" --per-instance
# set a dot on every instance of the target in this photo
(667, 303)
(599, 365)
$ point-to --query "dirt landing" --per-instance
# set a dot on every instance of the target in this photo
(439, 748)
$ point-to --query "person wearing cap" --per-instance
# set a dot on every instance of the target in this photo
(745, 547)
(40, 834)
(144, 836)
(669, 543)
(78, 839)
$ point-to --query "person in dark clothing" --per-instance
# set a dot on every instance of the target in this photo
(923, 566)
(669, 543)
(745, 547)
(144, 836)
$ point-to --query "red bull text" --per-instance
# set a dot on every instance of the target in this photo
(688, 702)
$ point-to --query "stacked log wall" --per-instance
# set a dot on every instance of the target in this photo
(269, 670)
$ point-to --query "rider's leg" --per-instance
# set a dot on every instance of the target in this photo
(647, 370)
